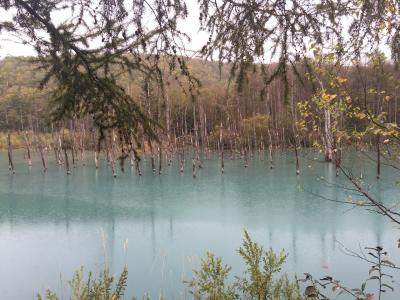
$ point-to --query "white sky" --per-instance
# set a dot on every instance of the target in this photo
(12, 46)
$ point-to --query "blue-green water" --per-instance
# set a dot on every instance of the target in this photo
(52, 224)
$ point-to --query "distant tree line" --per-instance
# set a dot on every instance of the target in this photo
(246, 117)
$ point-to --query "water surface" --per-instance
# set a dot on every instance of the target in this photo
(52, 224)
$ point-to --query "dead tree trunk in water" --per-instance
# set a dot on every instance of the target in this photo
(54, 145)
(57, 159)
(337, 154)
(10, 159)
(132, 152)
(159, 160)
(67, 169)
(72, 150)
(96, 146)
(182, 160)
(138, 167)
(82, 143)
(194, 168)
(378, 157)
(96, 160)
(153, 165)
(297, 157)
(59, 149)
(271, 160)
(72, 139)
(168, 118)
(64, 147)
(246, 155)
(270, 148)
(132, 156)
(135, 156)
(196, 137)
(112, 153)
(122, 158)
(40, 146)
(328, 136)
(221, 146)
(295, 134)
(338, 160)
(28, 149)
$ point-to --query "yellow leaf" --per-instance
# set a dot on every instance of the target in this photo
(361, 115)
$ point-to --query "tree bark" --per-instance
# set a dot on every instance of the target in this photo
(328, 136)
(40, 146)
(378, 157)
(28, 149)
(221, 146)
(10, 158)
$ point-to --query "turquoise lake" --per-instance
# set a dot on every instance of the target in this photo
(51, 224)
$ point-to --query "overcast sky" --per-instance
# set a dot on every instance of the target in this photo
(12, 46)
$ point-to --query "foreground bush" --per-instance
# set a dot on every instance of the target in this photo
(261, 279)
(103, 288)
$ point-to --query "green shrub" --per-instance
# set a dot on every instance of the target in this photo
(262, 279)
(101, 289)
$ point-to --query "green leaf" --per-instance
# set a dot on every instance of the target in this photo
(388, 286)
(373, 278)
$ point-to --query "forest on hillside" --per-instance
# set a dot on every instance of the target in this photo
(248, 113)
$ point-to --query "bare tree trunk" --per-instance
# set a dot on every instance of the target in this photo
(112, 154)
(72, 135)
(221, 146)
(378, 157)
(138, 167)
(114, 172)
(28, 149)
(54, 144)
(96, 160)
(194, 168)
(196, 137)
(82, 142)
(337, 153)
(57, 159)
(153, 165)
(159, 160)
(297, 158)
(96, 145)
(108, 151)
(295, 134)
(132, 159)
(73, 155)
(271, 160)
(10, 158)
(338, 159)
(328, 136)
(246, 163)
(136, 158)
(59, 149)
(182, 160)
(122, 159)
(222, 162)
(168, 118)
(67, 168)
(40, 146)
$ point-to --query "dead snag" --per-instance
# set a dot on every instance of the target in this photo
(10, 158)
